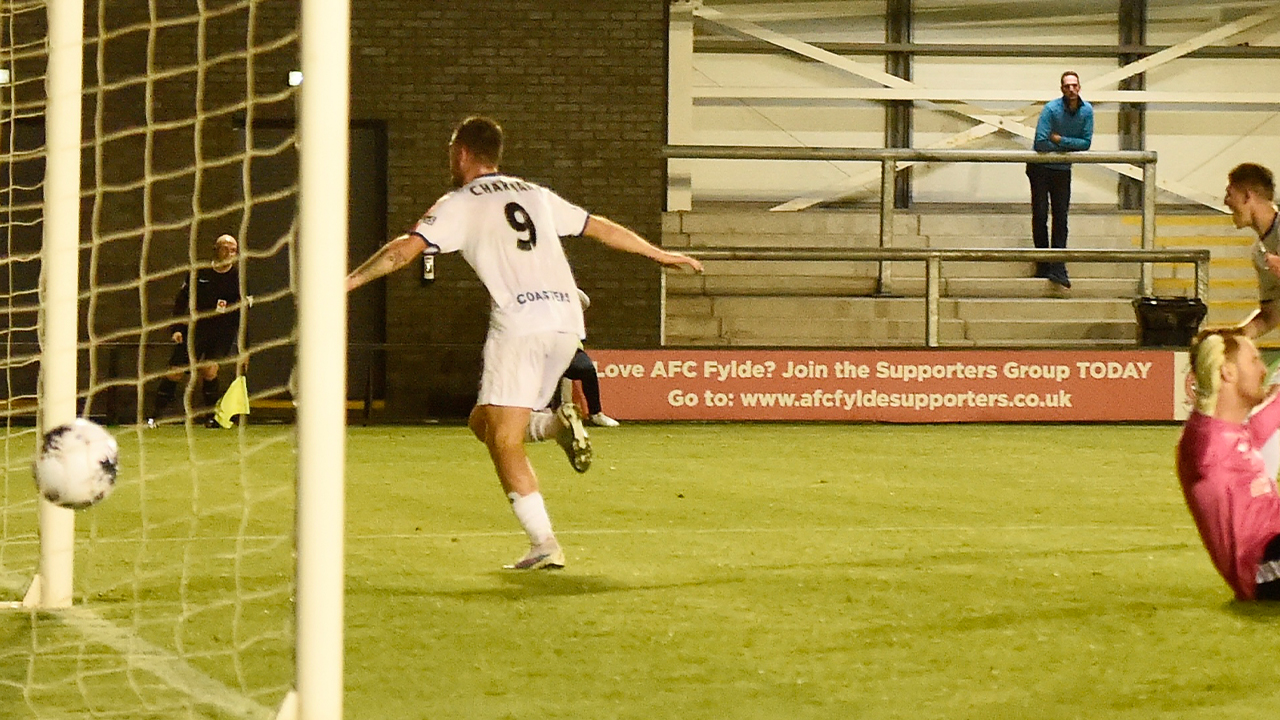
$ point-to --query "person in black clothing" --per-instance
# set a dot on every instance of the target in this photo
(1065, 125)
(214, 327)
(582, 369)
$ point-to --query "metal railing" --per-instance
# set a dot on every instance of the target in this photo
(933, 257)
(890, 157)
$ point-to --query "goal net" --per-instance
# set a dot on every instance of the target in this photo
(182, 603)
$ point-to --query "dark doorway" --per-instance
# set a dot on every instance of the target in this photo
(366, 232)
(271, 265)
(22, 170)
(270, 270)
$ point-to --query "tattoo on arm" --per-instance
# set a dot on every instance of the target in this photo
(389, 258)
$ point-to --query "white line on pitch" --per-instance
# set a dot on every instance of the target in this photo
(164, 665)
(650, 531)
(753, 530)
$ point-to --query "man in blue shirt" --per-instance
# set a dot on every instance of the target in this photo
(1066, 124)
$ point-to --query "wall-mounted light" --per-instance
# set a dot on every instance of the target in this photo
(295, 78)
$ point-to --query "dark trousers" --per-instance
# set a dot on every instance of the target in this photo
(1050, 188)
(584, 371)
(1269, 590)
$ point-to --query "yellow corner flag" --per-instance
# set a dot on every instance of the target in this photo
(234, 402)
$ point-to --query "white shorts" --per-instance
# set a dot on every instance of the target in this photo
(524, 370)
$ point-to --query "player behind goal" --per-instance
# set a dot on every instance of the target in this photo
(509, 231)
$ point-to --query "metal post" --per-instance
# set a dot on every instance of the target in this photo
(932, 281)
(1202, 279)
(59, 285)
(324, 137)
(888, 180)
(1148, 220)
(1132, 117)
(899, 114)
(368, 394)
(680, 102)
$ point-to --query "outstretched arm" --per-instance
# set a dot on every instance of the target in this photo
(1265, 419)
(620, 238)
(1266, 317)
(391, 257)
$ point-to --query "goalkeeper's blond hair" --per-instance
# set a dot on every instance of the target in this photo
(1210, 350)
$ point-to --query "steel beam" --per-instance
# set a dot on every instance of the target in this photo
(983, 116)
(899, 114)
(726, 152)
(727, 94)
(741, 46)
(1132, 118)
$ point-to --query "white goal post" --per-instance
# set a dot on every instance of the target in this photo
(322, 351)
(60, 285)
(323, 122)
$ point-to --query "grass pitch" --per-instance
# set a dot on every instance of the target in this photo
(714, 571)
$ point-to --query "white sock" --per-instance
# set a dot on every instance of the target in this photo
(532, 514)
(542, 425)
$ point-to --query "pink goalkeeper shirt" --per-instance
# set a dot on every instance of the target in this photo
(1234, 503)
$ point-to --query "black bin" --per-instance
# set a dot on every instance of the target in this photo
(1168, 321)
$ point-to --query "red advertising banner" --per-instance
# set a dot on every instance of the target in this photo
(908, 386)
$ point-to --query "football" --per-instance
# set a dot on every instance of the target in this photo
(77, 464)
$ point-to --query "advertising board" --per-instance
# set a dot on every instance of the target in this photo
(910, 386)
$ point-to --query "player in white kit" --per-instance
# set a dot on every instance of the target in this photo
(1251, 198)
(509, 231)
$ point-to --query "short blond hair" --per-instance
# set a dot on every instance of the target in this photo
(1210, 350)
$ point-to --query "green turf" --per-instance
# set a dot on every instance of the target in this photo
(715, 571)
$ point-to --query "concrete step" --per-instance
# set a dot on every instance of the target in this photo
(994, 304)
(1043, 343)
(852, 333)
(1230, 312)
(983, 224)
(1011, 242)
(1210, 223)
(819, 308)
(881, 318)
(758, 239)
(1025, 287)
(809, 285)
(907, 309)
(692, 326)
(763, 240)
(767, 285)
(790, 268)
(965, 269)
(835, 333)
(1065, 329)
(763, 221)
(1011, 309)
(915, 268)
(928, 222)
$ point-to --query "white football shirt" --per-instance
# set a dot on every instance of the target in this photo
(509, 231)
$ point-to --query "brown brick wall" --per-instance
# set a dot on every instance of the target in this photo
(579, 87)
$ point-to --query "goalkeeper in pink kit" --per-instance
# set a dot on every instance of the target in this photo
(1224, 480)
